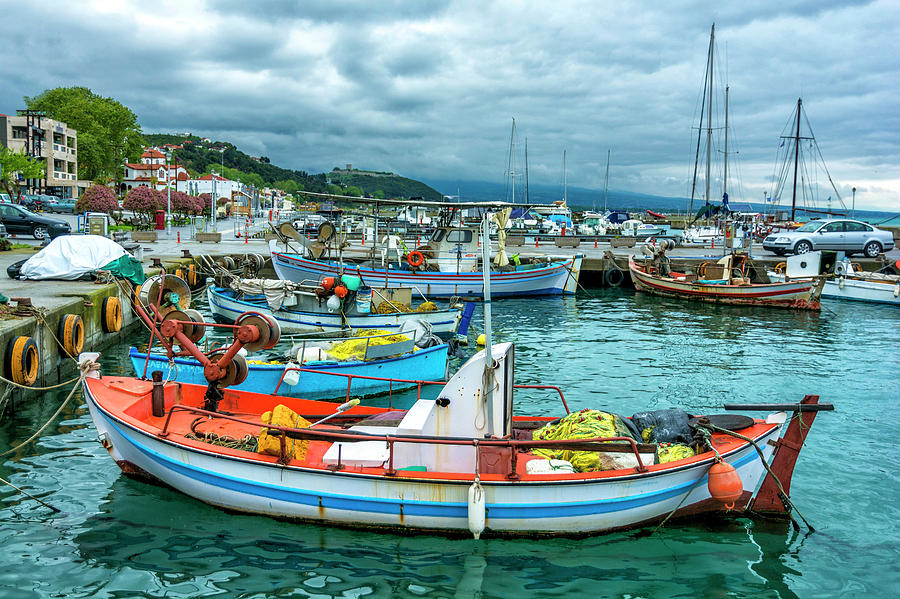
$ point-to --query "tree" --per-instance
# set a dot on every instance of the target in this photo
(98, 198)
(103, 124)
(289, 186)
(17, 166)
(143, 200)
(184, 204)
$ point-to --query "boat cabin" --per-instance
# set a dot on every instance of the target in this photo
(453, 249)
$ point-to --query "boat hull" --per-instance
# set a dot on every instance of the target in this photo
(559, 277)
(429, 364)
(858, 290)
(226, 309)
(412, 501)
(799, 295)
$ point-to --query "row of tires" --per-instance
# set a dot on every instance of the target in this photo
(23, 360)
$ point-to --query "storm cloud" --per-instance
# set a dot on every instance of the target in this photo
(428, 89)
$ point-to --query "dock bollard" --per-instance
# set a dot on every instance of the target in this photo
(537, 242)
(178, 233)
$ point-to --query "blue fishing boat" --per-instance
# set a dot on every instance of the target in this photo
(318, 379)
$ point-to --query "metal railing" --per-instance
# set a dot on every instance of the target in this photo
(419, 383)
(627, 444)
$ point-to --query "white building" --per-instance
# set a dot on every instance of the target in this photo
(152, 167)
(213, 184)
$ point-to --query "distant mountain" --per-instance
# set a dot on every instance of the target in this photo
(386, 185)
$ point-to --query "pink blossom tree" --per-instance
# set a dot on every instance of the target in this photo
(99, 198)
(143, 200)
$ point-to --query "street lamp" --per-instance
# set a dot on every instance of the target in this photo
(168, 196)
(212, 203)
(853, 205)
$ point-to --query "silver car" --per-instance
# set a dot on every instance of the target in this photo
(850, 236)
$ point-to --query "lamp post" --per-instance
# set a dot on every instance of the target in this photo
(168, 196)
(212, 203)
(853, 205)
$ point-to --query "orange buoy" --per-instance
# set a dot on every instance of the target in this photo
(341, 291)
(725, 484)
(328, 283)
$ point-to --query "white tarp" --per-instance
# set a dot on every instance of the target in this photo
(70, 256)
(275, 290)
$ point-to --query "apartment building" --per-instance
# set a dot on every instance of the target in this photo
(53, 142)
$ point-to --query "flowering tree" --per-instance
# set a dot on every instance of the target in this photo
(143, 200)
(98, 198)
(184, 204)
(205, 202)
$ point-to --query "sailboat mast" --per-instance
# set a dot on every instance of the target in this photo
(512, 159)
(725, 174)
(565, 186)
(712, 37)
(527, 199)
(796, 158)
(606, 181)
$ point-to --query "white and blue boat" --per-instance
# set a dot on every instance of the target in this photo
(318, 379)
(302, 312)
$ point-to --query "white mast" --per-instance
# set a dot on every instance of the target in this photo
(606, 181)
(712, 37)
(488, 383)
(565, 185)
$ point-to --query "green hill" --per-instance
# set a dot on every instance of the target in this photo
(200, 157)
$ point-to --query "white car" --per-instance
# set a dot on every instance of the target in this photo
(850, 236)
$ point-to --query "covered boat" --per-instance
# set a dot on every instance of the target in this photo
(727, 281)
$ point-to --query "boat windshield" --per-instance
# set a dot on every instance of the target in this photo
(810, 226)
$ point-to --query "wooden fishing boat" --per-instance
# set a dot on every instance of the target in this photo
(453, 465)
(457, 464)
(448, 266)
(725, 282)
(307, 314)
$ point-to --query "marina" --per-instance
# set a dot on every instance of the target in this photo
(301, 315)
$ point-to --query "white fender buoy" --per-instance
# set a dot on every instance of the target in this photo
(897, 290)
(291, 377)
(841, 283)
(476, 509)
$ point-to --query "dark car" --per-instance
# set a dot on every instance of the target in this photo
(851, 236)
(21, 221)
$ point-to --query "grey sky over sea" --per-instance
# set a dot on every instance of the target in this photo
(427, 89)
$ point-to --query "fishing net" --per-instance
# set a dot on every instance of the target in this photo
(672, 452)
(355, 349)
(586, 424)
(270, 444)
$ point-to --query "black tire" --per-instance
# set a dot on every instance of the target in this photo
(614, 277)
(803, 247)
(872, 249)
(40, 232)
(15, 268)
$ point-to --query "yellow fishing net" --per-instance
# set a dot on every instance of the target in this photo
(270, 444)
(672, 452)
(355, 349)
(397, 307)
(586, 424)
(427, 307)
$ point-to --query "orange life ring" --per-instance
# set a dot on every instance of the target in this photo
(779, 268)
(415, 258)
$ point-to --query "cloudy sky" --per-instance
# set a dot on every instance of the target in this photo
(427, 89)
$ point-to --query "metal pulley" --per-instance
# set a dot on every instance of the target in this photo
(269, 330)
(235, 372)
(166, 293)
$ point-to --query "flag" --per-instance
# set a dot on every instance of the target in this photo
(725, 201)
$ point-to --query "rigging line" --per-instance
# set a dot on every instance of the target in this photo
(824, 166)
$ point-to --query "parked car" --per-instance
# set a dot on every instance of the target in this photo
(21, 221)
(5, 199)
(2, 231)
(62, 206)
(850, 236)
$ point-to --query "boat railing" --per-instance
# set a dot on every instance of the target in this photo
(419, 383)
(604, 444)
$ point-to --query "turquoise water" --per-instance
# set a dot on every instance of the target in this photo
(616, 350)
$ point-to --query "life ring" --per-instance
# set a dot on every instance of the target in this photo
(779, 268)
(614, 277)
(415, 258)
(22, 361)
(111, 314)
(71, 334)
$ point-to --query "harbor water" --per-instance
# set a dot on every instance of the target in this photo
(609, 349)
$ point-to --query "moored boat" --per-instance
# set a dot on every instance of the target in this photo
(725, 282)
(849, 282)
(302, 311)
